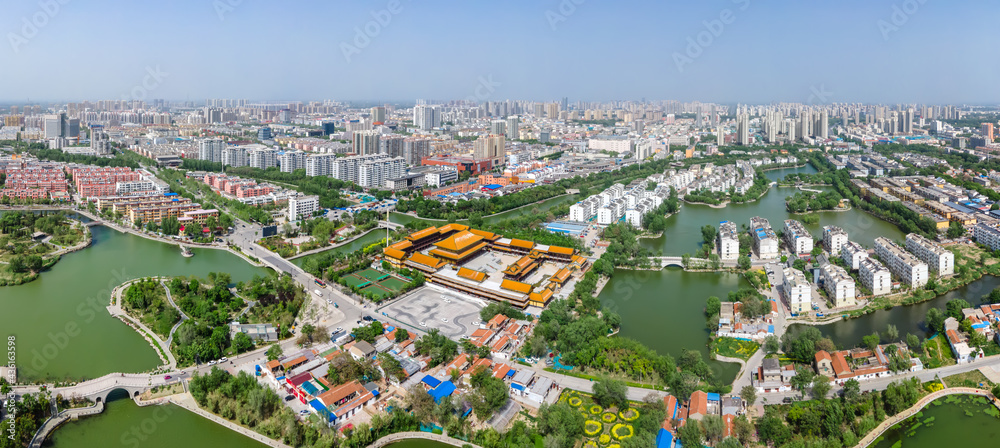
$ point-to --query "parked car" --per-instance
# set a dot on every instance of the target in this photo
(289, 397)
(167, 378)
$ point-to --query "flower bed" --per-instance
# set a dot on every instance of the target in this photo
(609, 417)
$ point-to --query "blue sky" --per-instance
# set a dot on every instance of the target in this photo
(779, 50)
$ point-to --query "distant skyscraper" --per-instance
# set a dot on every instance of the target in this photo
(987, 130)
(513, 128)
(565, 103)
(492, 148)
(366, 142)
(53, 125)
(426, 117)
(329, 128)
(264, 133)
(743, 129)
(99, 140)
(498, 127)
(378, 114)
(823, 130)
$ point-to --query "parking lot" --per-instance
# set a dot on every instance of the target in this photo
(454, 314)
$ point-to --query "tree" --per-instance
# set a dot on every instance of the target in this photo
(743, 262)
(420, 402)
(802, 379)
(729, 442)
(852, 390)
(560, 419)
(713, 427)
(772, 344)
(609, 392)
(935, 320)
(749, 394)
(491, 393)
(714, 261)
(685, 260)
(820, 387)
(955, 230)
(871, 341)
(912, 341)
(242, 343)
(954, 308)
(892, 333)
(274, 352)
(690, 434)
(401, 335)
(713, 307)
(743, 429)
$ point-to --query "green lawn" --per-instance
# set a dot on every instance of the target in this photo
(734, 348)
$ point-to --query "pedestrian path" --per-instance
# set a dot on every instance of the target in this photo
(186, 401)
(892, 421)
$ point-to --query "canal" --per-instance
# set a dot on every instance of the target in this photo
(62, 327)
(123, 423)
(963, 419)
(665, 310)
(356, 245)
(907, 319)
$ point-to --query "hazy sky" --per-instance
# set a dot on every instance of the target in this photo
(763, 51)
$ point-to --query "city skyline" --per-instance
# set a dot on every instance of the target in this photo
(737, 51)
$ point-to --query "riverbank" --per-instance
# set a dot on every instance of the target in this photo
(335, 246)
(116, 310)
(873, 436)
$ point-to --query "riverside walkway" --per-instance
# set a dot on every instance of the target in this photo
(400, 436)
(186, 401)
(889, 423)
(57, 420)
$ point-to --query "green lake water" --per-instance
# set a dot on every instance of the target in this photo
(907, 319)
(61, 325)
(665, 310)
(123, 424)
(966, 420)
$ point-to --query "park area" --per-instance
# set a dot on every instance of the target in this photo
(734, 348)
(604, 427)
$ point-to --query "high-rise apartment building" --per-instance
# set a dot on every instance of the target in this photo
(513, 128)
(211, 150)
(492, 148)
(743, 129)
(426, 117)
(378, 114)
(366, 142)
(987, 130)
(729, 241)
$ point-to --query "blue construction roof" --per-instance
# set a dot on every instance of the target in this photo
(517, 387)
(511, 373)
(318, 405)
(714, 397)
(445, 389)
(431, 381)
(664, 439)
(493, 186)
(770, 329)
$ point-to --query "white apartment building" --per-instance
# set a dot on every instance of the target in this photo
(211, 150)
(907, 267)
(838, 285)
(852, 253)
(235, 157)
(875, 276)
(797, 238)
(263, 158)
(987, 235)
(765, 242)
(302, 207)
(728, 241)
(797, 291)
(938, 259)
(374, 173)
(834, 238)
(584, 210)
(292, 160)
(319, 164)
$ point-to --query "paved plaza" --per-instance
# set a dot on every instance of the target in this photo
(455, 315)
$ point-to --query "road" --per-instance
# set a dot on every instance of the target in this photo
(883, 383)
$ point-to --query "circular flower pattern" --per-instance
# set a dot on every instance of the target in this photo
(609, 417)
(592, 428)
(575, 401)
(604, 439)
(595, 409)
(622, 431)
(629, 414)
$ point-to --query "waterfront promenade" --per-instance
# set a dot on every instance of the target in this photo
(186, 401)
(892, 421)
